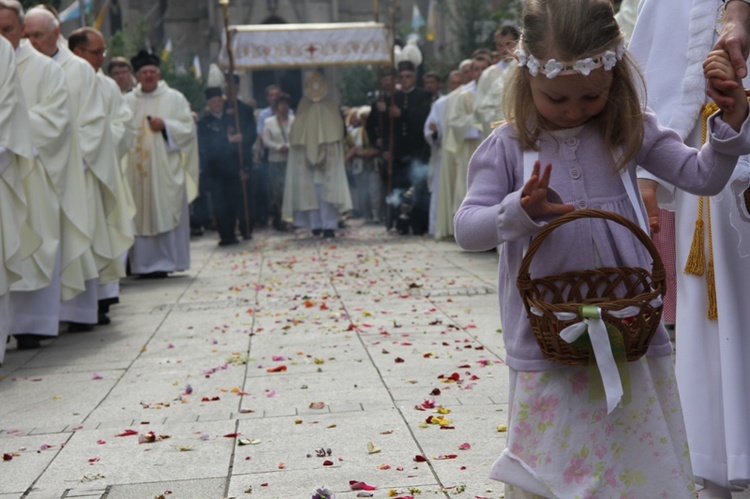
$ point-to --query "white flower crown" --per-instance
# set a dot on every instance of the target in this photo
(553, 67)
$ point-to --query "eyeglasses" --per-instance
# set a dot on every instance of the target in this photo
(98, 53)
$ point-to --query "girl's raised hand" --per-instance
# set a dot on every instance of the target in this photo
(534, 195)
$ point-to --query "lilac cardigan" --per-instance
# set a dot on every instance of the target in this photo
(583, 174)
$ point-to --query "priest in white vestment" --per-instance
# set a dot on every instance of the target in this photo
(316, 190)
(162, 171)
(88, 44)
(35, 299)
(433, 133)
(17, 241)
(108, 223)
(671, 40)
(461, 138)
(488, 99)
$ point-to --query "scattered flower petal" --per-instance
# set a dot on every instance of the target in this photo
(357, 485)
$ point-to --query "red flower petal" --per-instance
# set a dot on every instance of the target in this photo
(356, 485)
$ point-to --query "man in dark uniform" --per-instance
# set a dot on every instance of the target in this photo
(219, 155)
(411, 152)
(378, 125)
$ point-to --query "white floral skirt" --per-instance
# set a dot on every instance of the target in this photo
(562, 443)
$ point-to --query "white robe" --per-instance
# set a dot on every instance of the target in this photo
(712, 355)
(46, 94)
(488, 101)
(17, 241)
(316, 158)
(437, 112)
(34, 302)
(120, 124)
(112, 227)
(460, 140)
(163, 176)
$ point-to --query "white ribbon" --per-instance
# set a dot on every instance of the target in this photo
(599, 337)
(605, 359)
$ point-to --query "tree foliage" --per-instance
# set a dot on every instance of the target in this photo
(474, 22)
(355, 85)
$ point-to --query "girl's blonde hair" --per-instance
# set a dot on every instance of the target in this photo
(570, 30)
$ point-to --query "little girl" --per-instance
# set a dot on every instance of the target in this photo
(573, 105)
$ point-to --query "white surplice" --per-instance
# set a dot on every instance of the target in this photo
(17, 240)
(112, 226)
(671, 42)
(488, 99)
(163, 174)
(437, 112)
(34, 302)
(460, 140)
(121, 125)
(46, 94)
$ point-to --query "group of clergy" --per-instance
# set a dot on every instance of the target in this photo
(93, 180)
(460, 120)
(425, 139)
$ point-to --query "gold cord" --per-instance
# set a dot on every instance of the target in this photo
(696, 261)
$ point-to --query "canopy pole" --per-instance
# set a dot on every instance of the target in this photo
(235, 105)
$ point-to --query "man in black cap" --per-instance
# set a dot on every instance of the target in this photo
(410, 150)
(162, 171)
(218, 144)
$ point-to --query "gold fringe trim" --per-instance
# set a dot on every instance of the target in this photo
(713, 311)
(696, 261)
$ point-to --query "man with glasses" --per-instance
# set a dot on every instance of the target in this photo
(121, 71)
(88, 44)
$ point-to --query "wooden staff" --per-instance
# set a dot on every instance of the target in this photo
(388, 211)
(235, 105)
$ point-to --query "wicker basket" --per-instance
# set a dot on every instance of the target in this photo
(611, 289)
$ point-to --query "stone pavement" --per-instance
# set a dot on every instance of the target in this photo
(269, 370)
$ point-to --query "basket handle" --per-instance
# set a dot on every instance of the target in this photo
(657, 266)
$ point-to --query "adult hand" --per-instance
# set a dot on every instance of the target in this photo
(534, 195)
(156, 124)
(235, 138)
(735, 40)
(395, 112)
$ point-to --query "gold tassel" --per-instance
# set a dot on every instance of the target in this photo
(696, 261)
(713, 310)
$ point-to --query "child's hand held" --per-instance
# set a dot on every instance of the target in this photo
(725, 87)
